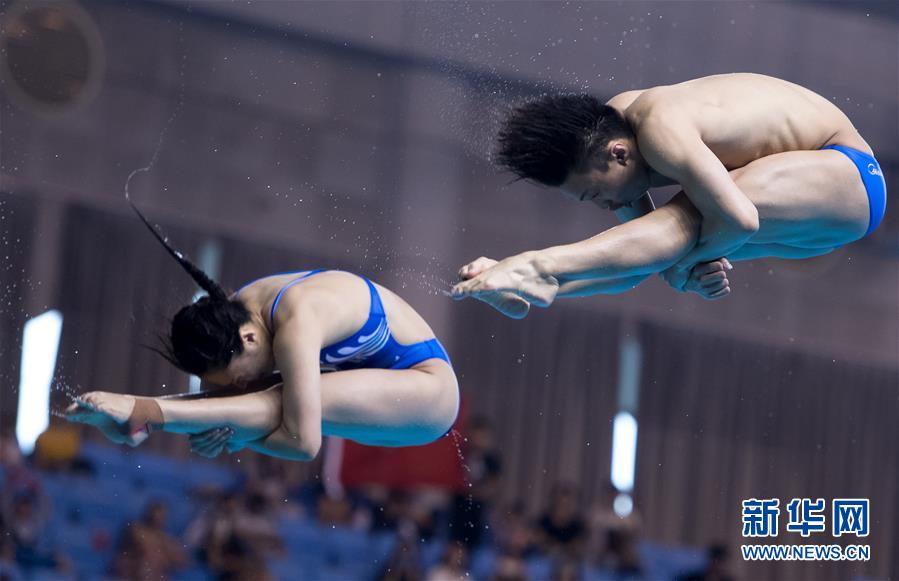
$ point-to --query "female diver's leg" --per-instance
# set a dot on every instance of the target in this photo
(251, 415)
(391, 407)
(398, 407)
(372, 406)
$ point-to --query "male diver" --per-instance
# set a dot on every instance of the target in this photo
(767, 169)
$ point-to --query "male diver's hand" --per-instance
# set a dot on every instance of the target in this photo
(211, 443)
(517, 275)
(676, 278)
(507, 303)
(708, 280)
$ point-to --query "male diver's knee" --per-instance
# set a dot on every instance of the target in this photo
(747, 220)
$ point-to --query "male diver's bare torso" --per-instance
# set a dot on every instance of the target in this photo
(744, 116)
(768, 133)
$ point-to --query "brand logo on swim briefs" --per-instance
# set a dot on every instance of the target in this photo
(874, 170)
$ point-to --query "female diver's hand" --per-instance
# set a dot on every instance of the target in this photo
(213, 442)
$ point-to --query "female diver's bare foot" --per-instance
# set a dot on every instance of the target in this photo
(108, 412)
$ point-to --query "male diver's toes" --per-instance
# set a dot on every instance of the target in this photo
(464, 290)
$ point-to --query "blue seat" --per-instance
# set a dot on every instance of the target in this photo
(664, 561)
(194, 573)
(483, 562)
(539, 568)
(431, 553)
(290, 570)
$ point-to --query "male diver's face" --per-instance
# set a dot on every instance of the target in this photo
(255, 362)
(614, 177)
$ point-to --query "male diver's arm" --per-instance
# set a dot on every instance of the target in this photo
(296, 348)
(635, 209)
(729, 218)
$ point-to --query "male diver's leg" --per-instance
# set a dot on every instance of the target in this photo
(805, 199)
(753, 251)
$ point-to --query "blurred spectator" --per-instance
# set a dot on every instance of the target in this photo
(266, 476)
(620, 554)
(25, 524)
(715, 570)
(9, 570)
(256, 525)
(146, 550)
(235, 537)
(235, 559)
(403, 563)
(16, 476)
(211, 524)
(484, 469)
(389, 509)
(510, 568)
(59, 449)
(561, 527)
(453, 566)
(613, 537)
(567, 570)
(514, 534)
(10, 455)
(334, 511)
(604, 520)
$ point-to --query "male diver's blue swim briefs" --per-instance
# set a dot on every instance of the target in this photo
(872, 176)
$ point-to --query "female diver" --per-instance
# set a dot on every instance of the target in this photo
(350, 359)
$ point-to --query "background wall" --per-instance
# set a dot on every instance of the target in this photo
(357, 135)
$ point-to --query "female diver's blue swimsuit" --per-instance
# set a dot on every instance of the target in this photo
(372, 346)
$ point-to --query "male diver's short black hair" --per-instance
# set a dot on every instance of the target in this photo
(544, 139)
(205, 335)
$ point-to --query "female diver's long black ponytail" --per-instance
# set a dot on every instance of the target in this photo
(205, 335)
(215, 291)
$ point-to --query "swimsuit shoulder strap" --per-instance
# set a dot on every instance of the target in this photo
(287, 286)
(377, 307)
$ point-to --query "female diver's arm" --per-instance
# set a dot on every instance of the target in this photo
(296, 345)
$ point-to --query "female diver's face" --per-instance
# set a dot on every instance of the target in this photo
(255, 362)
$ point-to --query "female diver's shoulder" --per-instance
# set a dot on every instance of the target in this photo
(335, 301)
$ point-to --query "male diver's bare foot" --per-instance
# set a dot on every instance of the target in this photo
(108, 412)
(507, 303)
(511, 305)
